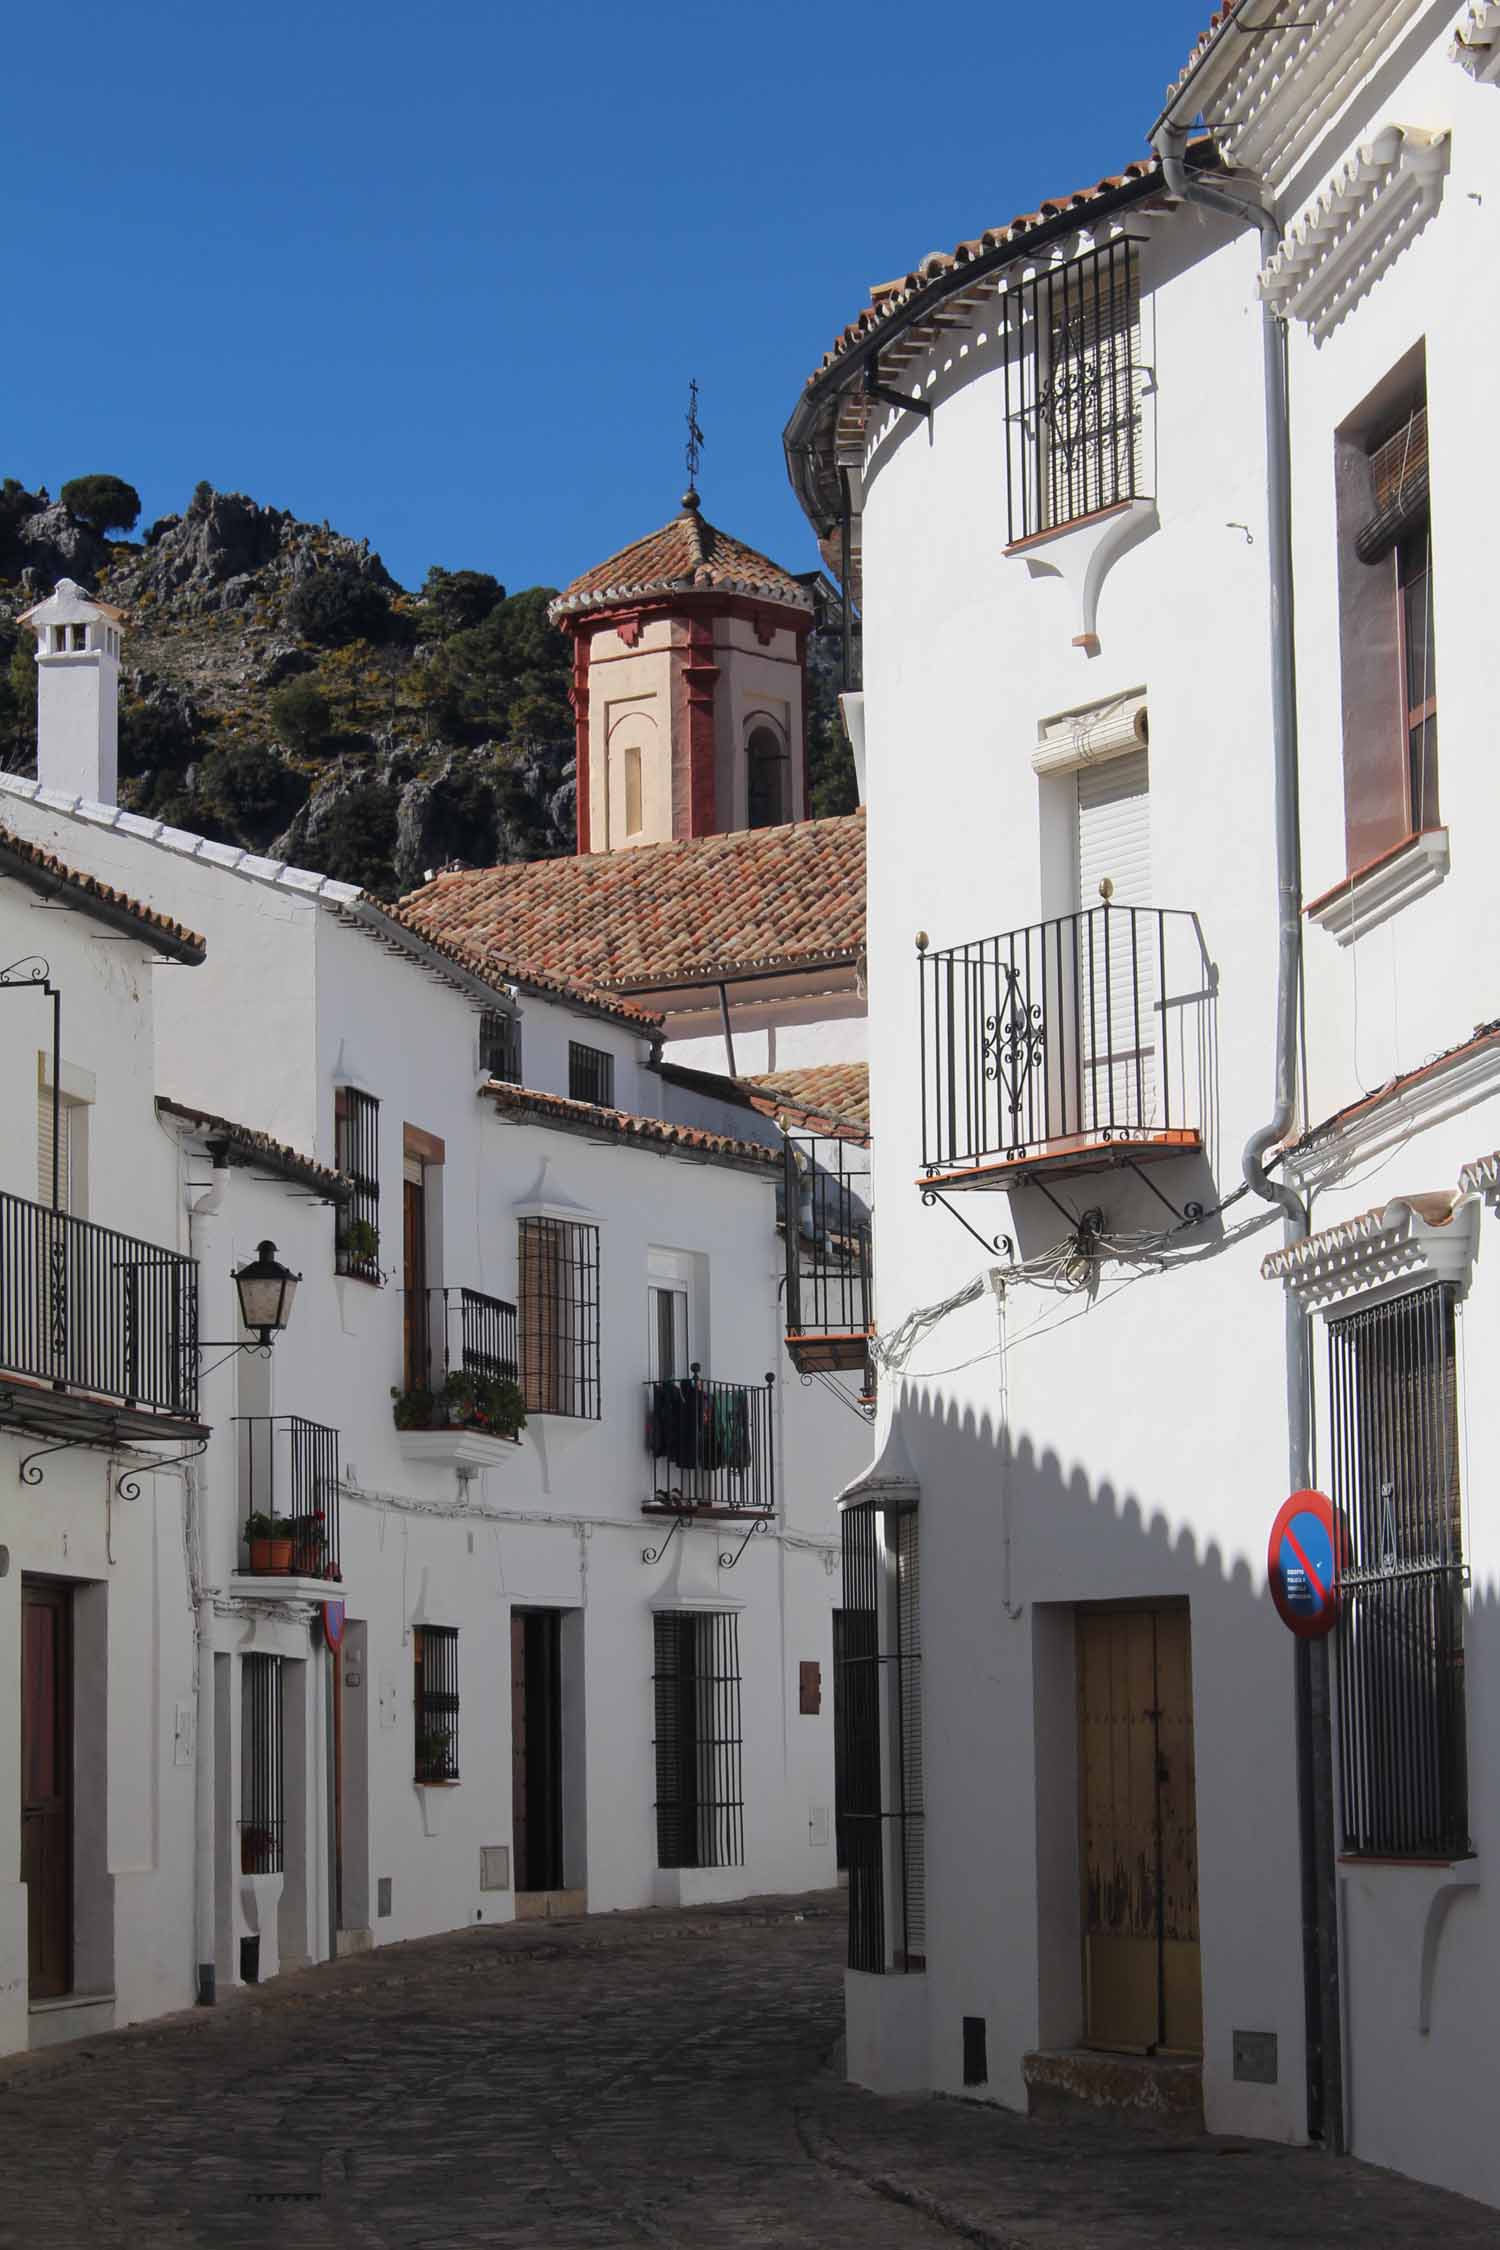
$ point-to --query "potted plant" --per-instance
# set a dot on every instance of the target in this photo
(270, 1540)
(310, 1544)
(413, 1409)
(257, 1851)
(361, 1242)
(464, 1400)
(435, 1754)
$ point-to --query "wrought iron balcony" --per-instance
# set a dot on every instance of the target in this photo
(1066, 1046)
(289, 1497)
(710, 1447)
(97, 1326)
(459, 1346)
(829, 1256)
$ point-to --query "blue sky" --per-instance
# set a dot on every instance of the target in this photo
(441, 274)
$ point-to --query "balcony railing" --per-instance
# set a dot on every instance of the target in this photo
(289, 1496)
(88, 1310)
(1077, 1040)
(448, 1329)
(829, 1259)
(710, 1446)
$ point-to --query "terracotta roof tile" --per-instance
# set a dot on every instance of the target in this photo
(43, 871)
(688, 553)
(839, 1092)
(700, 907)
(493, 964)
(256, 1148)
(621, 1125)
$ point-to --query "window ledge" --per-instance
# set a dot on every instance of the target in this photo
(1409, 1243)
(457, 1449)
(1083, 552)
(1372, 894)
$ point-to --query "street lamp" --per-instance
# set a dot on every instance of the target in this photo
(265, 1288)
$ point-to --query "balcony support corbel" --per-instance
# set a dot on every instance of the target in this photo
(1000, 1243)
(28, 1465)
(727, 1562)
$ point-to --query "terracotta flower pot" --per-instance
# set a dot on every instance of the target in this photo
(279, 1556)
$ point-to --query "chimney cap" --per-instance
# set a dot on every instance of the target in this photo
(68, 604)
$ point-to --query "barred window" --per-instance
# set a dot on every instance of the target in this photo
(1400, 1647)
(435, 1683)
(700, 1812)
(500, 1046)
(878, 1707)
(262, 1791)
(1072, 395)
(357, 1145)
(559, 1262)
(591, 1075)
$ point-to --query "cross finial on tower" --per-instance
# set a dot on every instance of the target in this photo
(693, 450)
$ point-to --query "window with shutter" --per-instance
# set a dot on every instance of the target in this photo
(1072, 375)
(1116, 998)
(71, 1138)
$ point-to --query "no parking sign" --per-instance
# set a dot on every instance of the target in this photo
(1308, 1550)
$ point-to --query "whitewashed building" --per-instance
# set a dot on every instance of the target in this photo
(1111, 1835)
(453, 1671)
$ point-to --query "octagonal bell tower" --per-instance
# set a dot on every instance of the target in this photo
(689, 687)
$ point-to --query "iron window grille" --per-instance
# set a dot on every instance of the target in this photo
(435, 1712)
(357, 1144)
(829, 1254)
(1072, 390)
(559, 1262)
(1096, 1026)
(262, 1778)
(878, 1714)
(1403, 1756)
(591, 1075)
(500, 1046)
(700, 1811)
(84, 1308)
(289, 1474)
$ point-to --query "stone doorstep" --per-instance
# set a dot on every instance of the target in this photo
(70, 2015)
(1152, 2090)
(551, 1906)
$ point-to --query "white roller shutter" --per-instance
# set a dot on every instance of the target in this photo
(1119, 1021)
(65, 1179)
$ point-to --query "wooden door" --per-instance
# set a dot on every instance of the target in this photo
(47, 1785)
(1138, 1825)
(414, 1282)
(536, 1749)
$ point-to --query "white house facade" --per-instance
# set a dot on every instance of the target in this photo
(1112, 1837)
(454, 1669)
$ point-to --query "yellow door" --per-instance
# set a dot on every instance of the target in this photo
(1139, 1830)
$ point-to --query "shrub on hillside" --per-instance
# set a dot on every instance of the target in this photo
(301, 714)
(334, 607)
(252, 791)
(103, 503)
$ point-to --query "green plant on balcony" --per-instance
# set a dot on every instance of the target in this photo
(435, 1754)
(463, 1400)
(310, 1545)
(360, 1242)
(272, 1542)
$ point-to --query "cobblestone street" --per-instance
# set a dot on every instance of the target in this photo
(649, 2078)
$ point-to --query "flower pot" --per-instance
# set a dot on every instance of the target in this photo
(278, 1557)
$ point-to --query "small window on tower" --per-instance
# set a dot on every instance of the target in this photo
(632, 791)
(59, 639)
(767, 801)
(80, 635)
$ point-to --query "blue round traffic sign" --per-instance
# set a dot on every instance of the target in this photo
(1306, 1555)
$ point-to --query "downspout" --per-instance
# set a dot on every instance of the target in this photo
(203, 1612)
(1320, 1932)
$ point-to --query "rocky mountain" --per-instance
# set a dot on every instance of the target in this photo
(282, 691)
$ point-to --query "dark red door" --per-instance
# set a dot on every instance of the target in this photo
(47, 1784)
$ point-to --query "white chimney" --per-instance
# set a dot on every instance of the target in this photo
(77, 692)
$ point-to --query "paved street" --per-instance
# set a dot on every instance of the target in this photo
(651, 2078)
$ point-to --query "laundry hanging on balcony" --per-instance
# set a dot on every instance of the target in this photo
(697, 1426)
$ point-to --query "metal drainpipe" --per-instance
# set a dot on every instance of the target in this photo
(1320, 1928)
(204, 1729)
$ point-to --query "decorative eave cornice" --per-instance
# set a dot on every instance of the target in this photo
(890, 1480)
(1482, 1177)
(1476, 42)
(1356, 227)
(1267, 87)
(668, 591)
(1408, 1244)
(1443, 1087)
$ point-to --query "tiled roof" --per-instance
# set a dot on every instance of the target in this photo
(621, 1125)
(250, 1147)
(703, 906)
(839, 1092)
(376, 917)
(687, 554)
(44, 872)
(488, 964)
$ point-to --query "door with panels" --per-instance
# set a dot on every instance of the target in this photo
(1118, 975)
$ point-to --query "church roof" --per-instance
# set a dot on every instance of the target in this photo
(687, 555)
(694, 909)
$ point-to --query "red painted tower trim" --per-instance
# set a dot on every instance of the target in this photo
(700, 674)
(578, 696)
